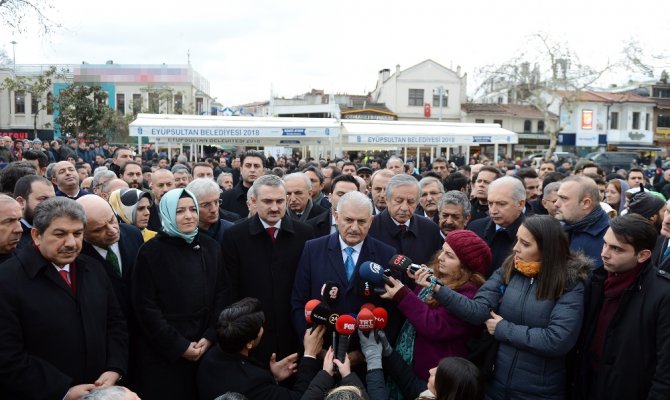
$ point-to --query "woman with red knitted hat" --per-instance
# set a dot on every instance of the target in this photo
(432, 332)
(533, 306)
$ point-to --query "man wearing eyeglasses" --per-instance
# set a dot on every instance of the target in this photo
(206, 192)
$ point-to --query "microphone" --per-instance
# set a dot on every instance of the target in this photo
(309, 307)
(374, 273)
(329, 292)
(369, 306)
(366, 289)
(322, 315)
(345, 326)
(381, 317)
(402, 263)
(365, 321)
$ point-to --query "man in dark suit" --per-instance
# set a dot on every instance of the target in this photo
(661, 254)
(30, 191)
(299, 197)
(324, 224)
(207, 192)
(336, 259)
(10, 226)
(261, 254)
(507, 200)
(252, 166)
(415, 236)
(112, 244)
(62, 332)
(432, 191)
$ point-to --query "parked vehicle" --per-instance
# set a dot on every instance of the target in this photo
(610, 161)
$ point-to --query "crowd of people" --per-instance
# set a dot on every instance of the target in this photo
(131, 274)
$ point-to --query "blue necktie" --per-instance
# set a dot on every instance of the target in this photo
(666, 253)
(349, 262)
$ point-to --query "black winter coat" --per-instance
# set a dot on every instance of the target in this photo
(178, 291)
(636, 354)
(51, 338)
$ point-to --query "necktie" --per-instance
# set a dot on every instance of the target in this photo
(64, 274)
(114, 261)
(349, 262)
(666, 253)
(402, 229)
(271, 231)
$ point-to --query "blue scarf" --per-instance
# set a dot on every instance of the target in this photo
(168, 209)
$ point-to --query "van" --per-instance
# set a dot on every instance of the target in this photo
(610, 161)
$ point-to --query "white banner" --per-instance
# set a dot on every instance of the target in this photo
(246, 132)
(431, 140)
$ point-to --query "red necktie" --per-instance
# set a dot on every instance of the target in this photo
(64, 274)
(271, 231)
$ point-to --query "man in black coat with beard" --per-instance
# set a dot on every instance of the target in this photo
(261, 255)
(62, 332)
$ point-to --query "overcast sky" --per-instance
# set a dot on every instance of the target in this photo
(245, 48)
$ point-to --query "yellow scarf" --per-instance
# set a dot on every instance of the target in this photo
(528, 268)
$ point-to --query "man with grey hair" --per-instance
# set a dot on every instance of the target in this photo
(207, 193)
(62, 332)
(111, 393)
(507, 200)
(431, 193)
(395, 164)
(182, 176)
(299, 197)
(549, 196)
(261, 254)
(455, 209)
(398, 226)
(225, 180)
(99, 179)
(584, 221)
(335, 260)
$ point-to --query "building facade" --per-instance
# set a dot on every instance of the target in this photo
(426, 90)
(130, 89)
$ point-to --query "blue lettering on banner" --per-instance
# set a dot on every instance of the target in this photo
(358, 139)
(327, 131)
(481, 139)
(289, 142)
(293, 132)
(139, 131)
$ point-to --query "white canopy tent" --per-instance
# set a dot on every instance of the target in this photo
(389, 135)
(198, 130)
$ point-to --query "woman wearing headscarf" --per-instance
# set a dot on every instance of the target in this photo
(178, 288)
(133, 207)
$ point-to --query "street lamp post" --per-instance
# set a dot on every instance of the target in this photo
(14, 43)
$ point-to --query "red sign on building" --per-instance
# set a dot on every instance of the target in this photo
(426, 110)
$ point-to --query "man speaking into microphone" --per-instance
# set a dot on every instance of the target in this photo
(336, 259)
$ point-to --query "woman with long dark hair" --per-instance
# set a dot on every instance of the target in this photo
(533, 306)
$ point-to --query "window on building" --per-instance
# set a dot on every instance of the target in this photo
(137, 103)
(121, 103)
(527, 126)
(498, 121)
(540, 126)
(614, 120)
(663, 93)
(50, 103)
(154, 102)
(500, 100)
(647, 121)
(198, 105)
(415, 97)
(34, 104)
(636, 120)
(445, 99)
(19, 102)
(479, 121)
(178, 104)
(663, 121)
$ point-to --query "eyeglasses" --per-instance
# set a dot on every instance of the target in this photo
(210, 205)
